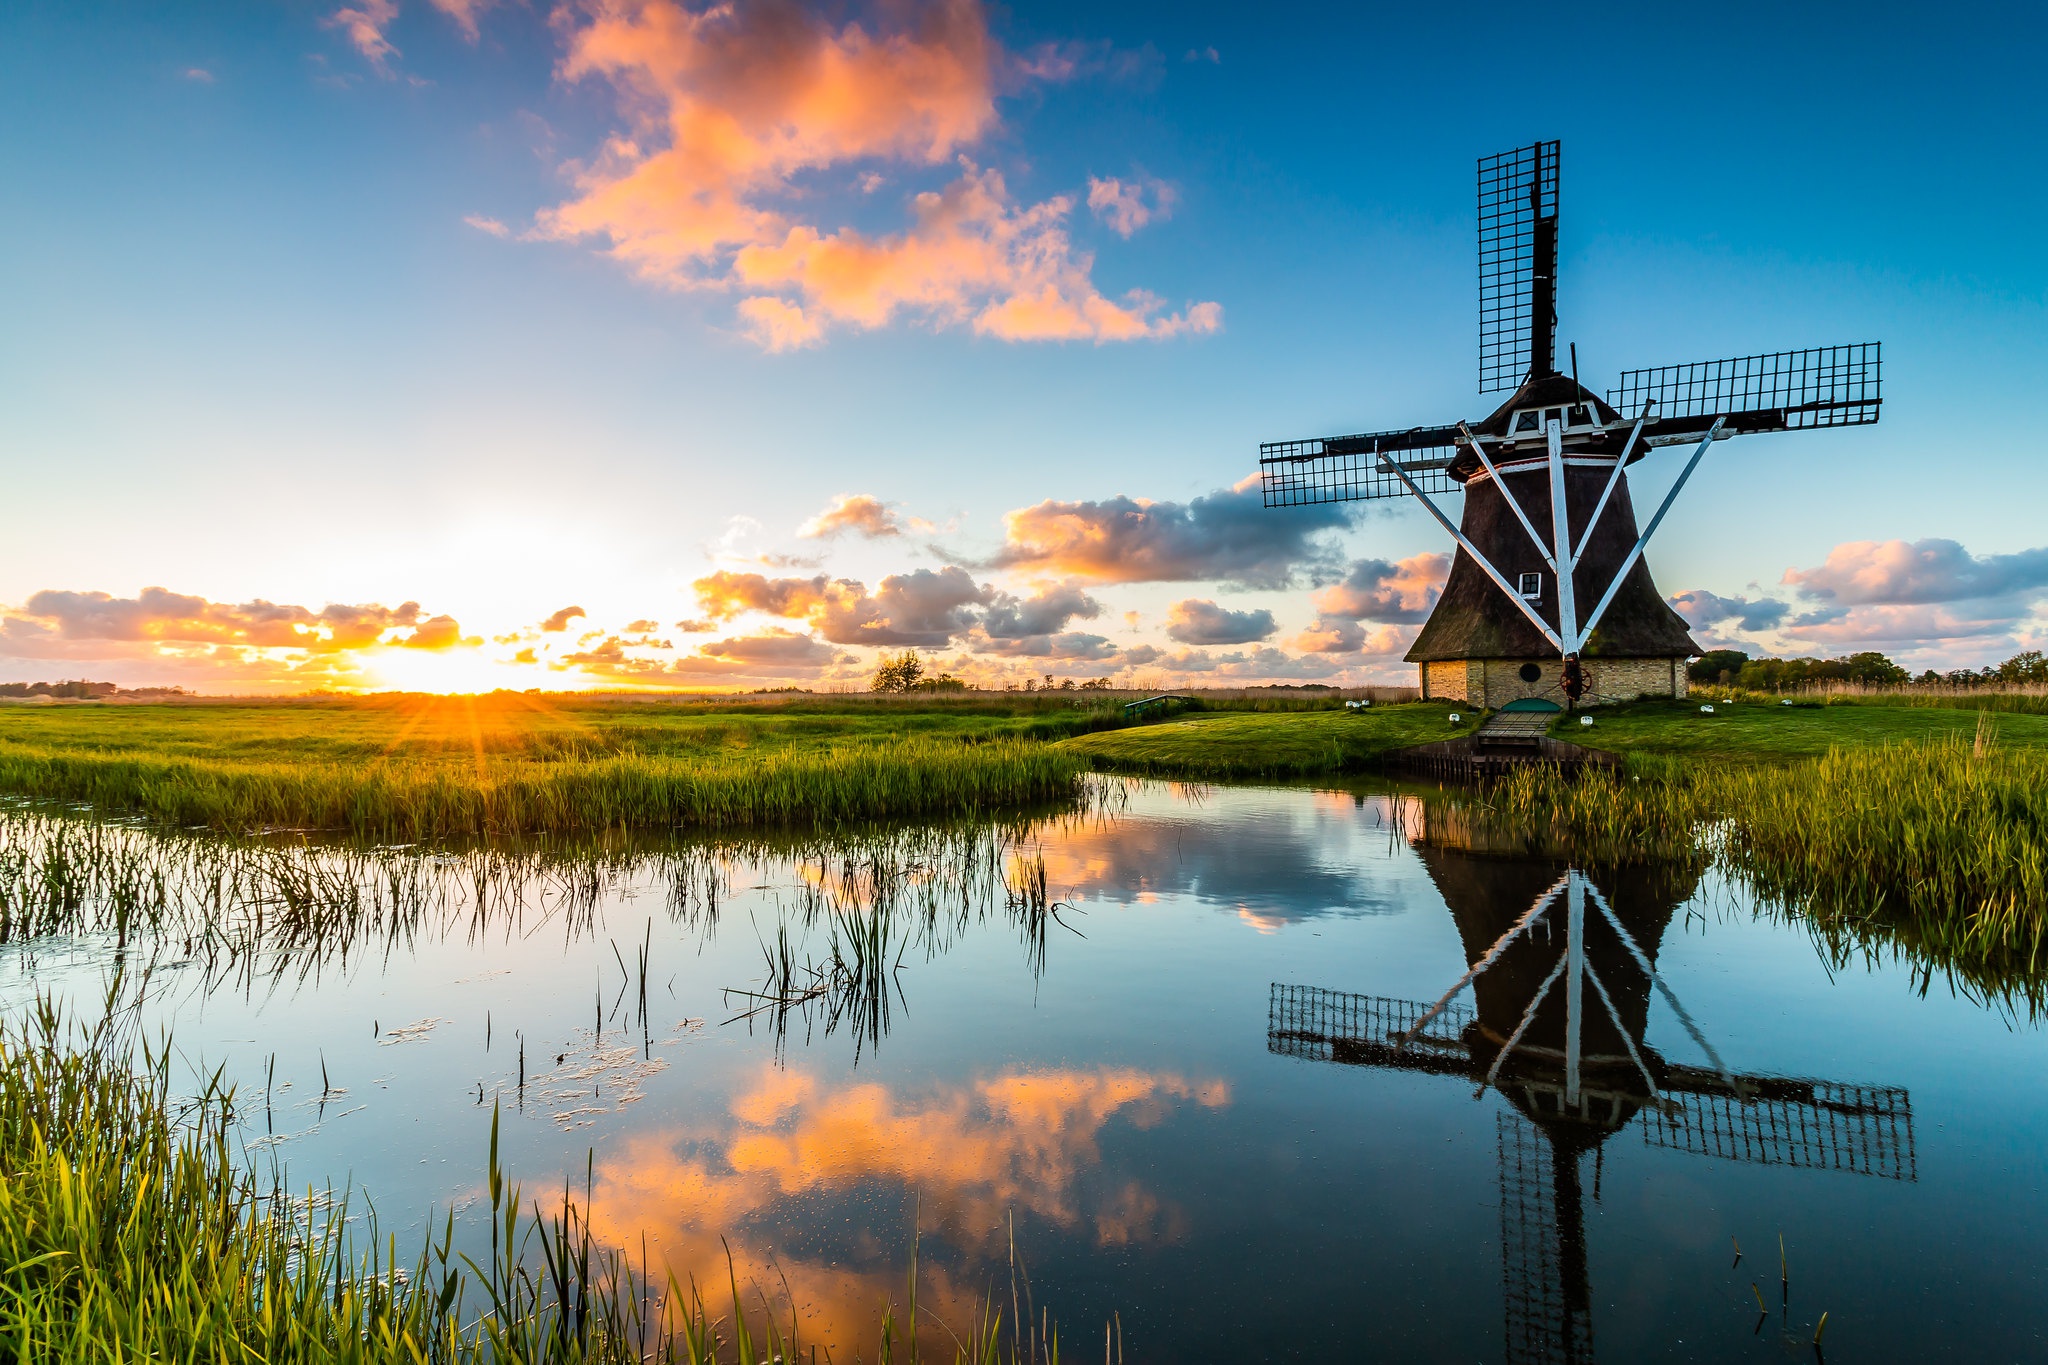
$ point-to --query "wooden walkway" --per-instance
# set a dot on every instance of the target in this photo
(1506, 741)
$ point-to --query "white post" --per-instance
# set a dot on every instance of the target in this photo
(1637, 553)
(1612, 479)
(1469, 548)
(1574, 981)
(1561, 538)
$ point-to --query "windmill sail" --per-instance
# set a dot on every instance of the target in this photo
(1517, 265)
(1348, 468)
(1822, 386)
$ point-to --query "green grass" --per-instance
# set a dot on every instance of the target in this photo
(440, 768)
(1269, 744)
(1762, 730)
(131, 1229)
(1938, 848)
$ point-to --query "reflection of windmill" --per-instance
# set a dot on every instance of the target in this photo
(1559, 1030)
(1549, 598)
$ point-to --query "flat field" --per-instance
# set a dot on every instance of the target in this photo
(414, 767)
(1763, 730)
(1265, 744)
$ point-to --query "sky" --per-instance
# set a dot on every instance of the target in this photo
(463, 344)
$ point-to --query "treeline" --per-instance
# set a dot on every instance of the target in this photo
(72, 688)
(82, 689)
(1734, 668)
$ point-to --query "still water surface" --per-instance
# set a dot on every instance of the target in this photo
(1185, 1089)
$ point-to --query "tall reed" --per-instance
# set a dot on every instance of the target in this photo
(1941, 846)
(131, 1229)
(869, 780)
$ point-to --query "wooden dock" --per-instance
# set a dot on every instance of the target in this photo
(1507, 741)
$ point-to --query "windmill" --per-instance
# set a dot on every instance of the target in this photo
(1548, 596)
(1562, 973)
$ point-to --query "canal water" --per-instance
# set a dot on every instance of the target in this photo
(1167, 1066)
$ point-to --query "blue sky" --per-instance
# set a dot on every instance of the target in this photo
(255, 350)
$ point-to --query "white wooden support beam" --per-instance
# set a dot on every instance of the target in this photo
(1622, 1028)
(1628, 941)
(1612, 479)
(1508, 495)
(1564, 563)
(1486, 959)
(1473, 550)
(1586, 631)
(1528, 1018)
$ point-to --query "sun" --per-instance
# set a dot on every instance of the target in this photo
(452, 671)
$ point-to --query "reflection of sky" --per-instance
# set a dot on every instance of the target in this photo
(1161, 1163)
(792, 1150)
(1271, 858)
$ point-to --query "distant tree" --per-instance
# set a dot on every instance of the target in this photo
(1767, 675)
(1873, 667)
(2025, 667)
(897, 672)
(938, 682)
(1717, 665)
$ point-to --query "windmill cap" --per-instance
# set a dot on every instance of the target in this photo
(1543, 391)
(1538, 391)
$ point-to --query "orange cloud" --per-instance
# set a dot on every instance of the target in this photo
(1375, 590)
(1340, 635)
(465, 13)
(159, 615)
(922, 608)
(1020, 1141)
(729, 104)
(1228, 534)
(861, 513)
(363, 24)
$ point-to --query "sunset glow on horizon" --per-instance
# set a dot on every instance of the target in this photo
(650, 345)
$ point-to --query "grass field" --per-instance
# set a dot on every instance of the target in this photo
(436, 767)
(1763, 730)
(1240, 744)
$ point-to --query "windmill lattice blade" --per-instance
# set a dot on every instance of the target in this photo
(1348, 469)
(1824, 386)
(1517, 264)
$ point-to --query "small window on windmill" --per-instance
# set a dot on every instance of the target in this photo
(1526, 420)
(1580, 415)
(1531, 587)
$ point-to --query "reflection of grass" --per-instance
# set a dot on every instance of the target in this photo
(1264, 744)
(1940, 848)
(242, 909)
(464, 766)
(127, 1234)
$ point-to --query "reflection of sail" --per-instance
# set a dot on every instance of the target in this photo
(1562, 974)
(1542, 1250)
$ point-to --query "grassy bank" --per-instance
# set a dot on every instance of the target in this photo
(1244, 744)
(1939, 847)
(132, 1229)
(1762, 729)
(442, 768)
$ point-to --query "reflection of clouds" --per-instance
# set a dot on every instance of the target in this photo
(1272, 863)
(1026, 1141)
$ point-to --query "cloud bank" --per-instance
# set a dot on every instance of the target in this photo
(738, 115)
(1228, 535)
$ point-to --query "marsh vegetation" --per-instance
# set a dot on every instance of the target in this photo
(1914, 837)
